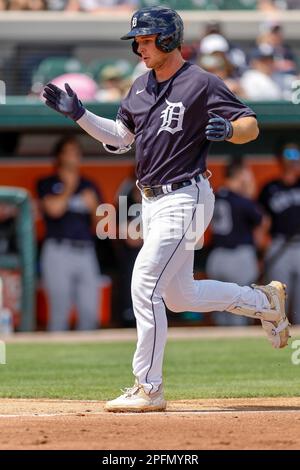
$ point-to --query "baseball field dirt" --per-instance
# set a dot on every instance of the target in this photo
(252, 421)
(265, 423)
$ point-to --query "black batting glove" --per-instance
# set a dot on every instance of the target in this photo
(218, 128)
(64, 102)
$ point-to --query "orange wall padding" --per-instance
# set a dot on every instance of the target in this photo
(25, 174)
(108, 176)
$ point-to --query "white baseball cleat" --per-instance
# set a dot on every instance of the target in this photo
(135, 399)
(278, 329)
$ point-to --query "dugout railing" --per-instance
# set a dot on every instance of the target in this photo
(19, 116)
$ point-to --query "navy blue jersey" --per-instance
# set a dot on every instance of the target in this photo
(75, 224)
(234, 219)
(169, 123)
(282, 203)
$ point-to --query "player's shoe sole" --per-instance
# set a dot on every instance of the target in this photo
(136, 400)
(278, 330)
(134, 409)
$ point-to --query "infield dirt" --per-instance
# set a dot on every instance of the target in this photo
(256, 423)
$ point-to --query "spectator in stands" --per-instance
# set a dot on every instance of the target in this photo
(271, 33)
(3, 5)
(213, 43)
(57, 5)
(281, 200)
(258, 82)
(33, 5)
(214, 40)
(69, 268)
(98, 6)
(236, 215)
(285, 67)
(274, 5)
(113, 84)
(214, 57)
(292, 4)
(218, 64)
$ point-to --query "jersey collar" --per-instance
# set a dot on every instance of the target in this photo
(152, 82)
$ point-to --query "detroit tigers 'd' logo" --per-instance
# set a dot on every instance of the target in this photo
(172, 117)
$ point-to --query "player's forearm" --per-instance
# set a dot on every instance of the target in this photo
(114, 135)
(72, 5)
(90, 200)
(106, 131)
(244, 130)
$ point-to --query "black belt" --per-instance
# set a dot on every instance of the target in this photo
(154, 191)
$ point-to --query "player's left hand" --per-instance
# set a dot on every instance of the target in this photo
(218, 128)
(64, 102)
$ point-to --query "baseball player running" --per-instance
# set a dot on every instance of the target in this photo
(173, 112)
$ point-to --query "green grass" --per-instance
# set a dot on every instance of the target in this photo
(193, 369)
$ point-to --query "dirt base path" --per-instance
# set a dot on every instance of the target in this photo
(267, 423)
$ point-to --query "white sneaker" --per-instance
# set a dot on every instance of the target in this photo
(277, 329)
(135, 399)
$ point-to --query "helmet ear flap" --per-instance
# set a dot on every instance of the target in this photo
(135, 46)
(162, 44)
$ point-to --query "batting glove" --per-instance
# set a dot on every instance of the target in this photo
(64, 102)
(218, 128)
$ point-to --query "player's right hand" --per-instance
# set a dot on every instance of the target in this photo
(64, 102)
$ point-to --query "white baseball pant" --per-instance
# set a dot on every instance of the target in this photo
(163, 275)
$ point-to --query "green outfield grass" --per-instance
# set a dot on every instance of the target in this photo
(193, 369)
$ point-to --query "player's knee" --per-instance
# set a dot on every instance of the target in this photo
(143, 279)
(145, 290)
(174, 306)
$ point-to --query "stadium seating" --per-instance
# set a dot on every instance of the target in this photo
(206, 4)
(122, 67)
(55, 66)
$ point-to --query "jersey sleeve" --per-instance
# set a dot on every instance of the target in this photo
(223, 102)
(124, 113)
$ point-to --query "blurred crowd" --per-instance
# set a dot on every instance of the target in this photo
(265, 72)
(262, 71)
(275, 5)
(102, 5)
(67, 5)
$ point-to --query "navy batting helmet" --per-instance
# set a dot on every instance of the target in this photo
(163, 21)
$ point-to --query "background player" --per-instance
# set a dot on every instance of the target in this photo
(236, 216)
(69, 267)
(172, 113)
(281, 200)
